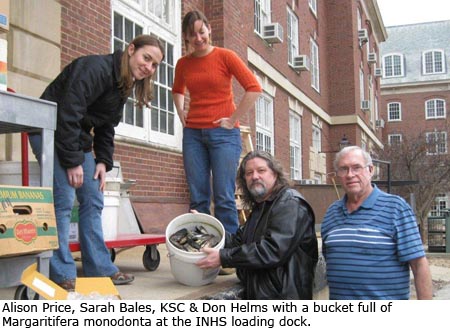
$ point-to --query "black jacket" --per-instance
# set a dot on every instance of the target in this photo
(89, 100)
(276, 251)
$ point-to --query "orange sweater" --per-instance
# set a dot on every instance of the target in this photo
(208, 80)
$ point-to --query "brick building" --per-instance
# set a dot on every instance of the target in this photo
(415, 80)
(315, 59)
(414, 97)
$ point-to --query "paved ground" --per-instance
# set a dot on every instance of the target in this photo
(440, 273)
(161, 285)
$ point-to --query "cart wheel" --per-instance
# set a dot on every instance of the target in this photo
(151, 258)
(113, 254)
(25, 293)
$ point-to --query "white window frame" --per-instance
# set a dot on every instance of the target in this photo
(439, 144)
(358, 19)
(439, 205)
(262, 15)
(316, 138)
(264, 123)
(313, 6)
(165, 16)
(160, 11)
(434, 62)
(315, 69)
(390, 118)
(394, 139)
(396, 66)
(166, 68)
(133, 10)
(362, 90)
(432, 111)
(295, 144)
(292, 36)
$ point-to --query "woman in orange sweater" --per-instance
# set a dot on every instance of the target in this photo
(211, 135)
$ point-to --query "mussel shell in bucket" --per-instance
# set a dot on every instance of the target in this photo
(193, 240)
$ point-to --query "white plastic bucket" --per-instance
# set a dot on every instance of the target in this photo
(110, 214)
(112, 184)
(182, 263)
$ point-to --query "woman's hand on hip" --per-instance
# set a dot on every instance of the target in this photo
(227, 123)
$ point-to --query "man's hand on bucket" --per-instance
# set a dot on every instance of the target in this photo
(212, 259)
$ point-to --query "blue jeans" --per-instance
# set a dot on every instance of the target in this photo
(213, 152)
(95, 256)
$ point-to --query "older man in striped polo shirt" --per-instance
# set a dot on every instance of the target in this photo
(370, 238)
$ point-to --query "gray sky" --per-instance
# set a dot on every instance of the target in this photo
(399, 12)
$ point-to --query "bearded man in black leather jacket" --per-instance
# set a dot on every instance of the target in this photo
(275, 252)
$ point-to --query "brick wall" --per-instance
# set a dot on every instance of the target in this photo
(412, 113)
(341, 48)
(86, 28)
(158, 174)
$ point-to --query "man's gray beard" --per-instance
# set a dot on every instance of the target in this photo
(258, 192)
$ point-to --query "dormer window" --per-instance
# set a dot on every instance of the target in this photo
(433, 62)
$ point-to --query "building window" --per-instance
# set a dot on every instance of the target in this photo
(295, 143)
(262, 14)
(264, 123)
(292, 36)
(157, 123)
(436, 143)
(313, 6)
(394, 139)
(439, 206)
(362, 94)
(124, 32)
(315, 71)
(435, 109)
(162, 9)
(359, 19)
(433, 62)
(394, 111)
(393, 65)
(163, 110)
(316, 139)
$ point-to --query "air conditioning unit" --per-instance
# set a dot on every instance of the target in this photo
(378, 72)
(301, 63)
(365, 105)
(379, 123)
(363, 36)
(308, 181)
(273, 33)
(372, 58)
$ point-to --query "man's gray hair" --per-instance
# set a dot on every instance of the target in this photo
(344, 151)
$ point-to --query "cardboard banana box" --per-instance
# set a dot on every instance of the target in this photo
(27, 220)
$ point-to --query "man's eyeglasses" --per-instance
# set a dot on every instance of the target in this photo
(355, 169)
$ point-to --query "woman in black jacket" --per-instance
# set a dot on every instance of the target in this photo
(275, 252)
(90, 94)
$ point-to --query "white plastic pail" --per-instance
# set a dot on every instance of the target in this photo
(110, 214)
(182, 263)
